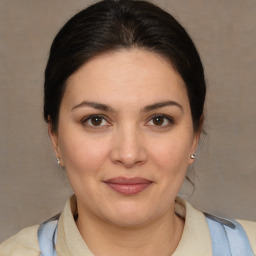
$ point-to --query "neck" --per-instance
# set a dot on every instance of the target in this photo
(159, 237)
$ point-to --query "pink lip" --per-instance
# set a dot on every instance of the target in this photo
(128, 186)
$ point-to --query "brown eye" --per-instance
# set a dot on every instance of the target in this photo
(158, 120)
(96, 120)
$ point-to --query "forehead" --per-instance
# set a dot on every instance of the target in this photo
(131, 76)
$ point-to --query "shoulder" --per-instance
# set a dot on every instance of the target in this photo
(23, 243)
(250, 229)
(197, 226)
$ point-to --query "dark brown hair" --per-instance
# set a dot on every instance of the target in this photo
(113, 24)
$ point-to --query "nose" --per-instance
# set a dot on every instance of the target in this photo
(128, 148)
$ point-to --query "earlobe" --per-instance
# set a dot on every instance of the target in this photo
(196, 140)
(192, 158)
(193, 153)
(54, 139)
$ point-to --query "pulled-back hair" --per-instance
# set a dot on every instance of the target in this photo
(122, 24)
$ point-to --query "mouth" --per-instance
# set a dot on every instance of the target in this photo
(128, 186)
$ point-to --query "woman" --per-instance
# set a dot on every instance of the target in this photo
(124, 100)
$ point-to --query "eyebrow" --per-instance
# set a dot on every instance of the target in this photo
(107, 108)
(161, 105)
(95, 105)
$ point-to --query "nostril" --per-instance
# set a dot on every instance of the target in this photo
(127, 158)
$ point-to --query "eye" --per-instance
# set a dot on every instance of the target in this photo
(95, 121)
(161, 121)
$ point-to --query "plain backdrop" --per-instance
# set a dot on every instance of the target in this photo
(32, 188)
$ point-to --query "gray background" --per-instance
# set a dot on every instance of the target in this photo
(32, 188)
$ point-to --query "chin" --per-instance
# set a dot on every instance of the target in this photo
(128, 221)
(128, 216)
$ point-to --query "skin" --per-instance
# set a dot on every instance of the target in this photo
(127, 141)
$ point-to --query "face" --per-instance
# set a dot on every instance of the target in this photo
(125, 136)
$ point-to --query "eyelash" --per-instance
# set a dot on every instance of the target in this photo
(89, 118)
(167, 118)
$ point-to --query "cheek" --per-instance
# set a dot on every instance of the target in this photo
(171, 151)
(82, 154)
(172, 159)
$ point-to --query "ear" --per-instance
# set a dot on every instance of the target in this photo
(196, 139)
(54, 139)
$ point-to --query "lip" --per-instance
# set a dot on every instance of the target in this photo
(128, 186)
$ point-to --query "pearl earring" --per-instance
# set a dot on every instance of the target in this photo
(58, 161)
(193, 156)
